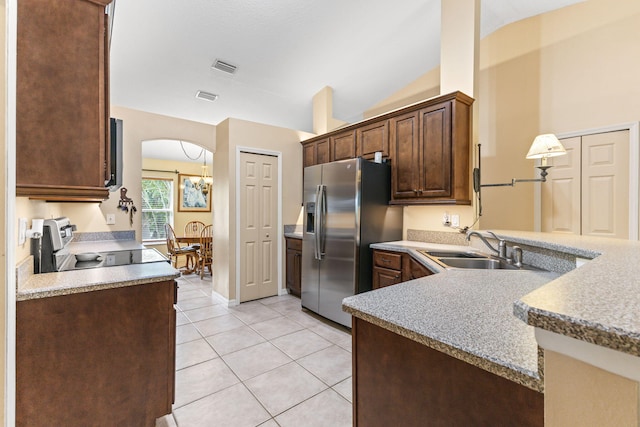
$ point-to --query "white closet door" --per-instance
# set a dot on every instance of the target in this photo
(605, 185)
(561, 200)
(587, 191)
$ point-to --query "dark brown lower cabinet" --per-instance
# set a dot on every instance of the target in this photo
(294, 265)
(390, 268)
(100, 358)
(399, 382)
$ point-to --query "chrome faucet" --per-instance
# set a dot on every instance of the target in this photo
(502, 245)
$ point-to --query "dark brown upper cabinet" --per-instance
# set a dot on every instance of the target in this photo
(428, 145)
(62, 104)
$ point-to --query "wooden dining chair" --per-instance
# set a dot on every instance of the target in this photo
(206, 250)
(193, 229)
(174, 251)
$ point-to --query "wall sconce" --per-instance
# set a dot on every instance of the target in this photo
(543, 147)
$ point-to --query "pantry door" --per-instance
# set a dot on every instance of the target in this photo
(258, 226)
(588, 189)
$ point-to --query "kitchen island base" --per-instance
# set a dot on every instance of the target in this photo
(397, 381)
(98, 358)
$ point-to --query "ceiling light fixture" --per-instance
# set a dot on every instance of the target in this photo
(207, 96)
(224, 67)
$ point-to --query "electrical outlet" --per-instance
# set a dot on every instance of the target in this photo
(455, 220)
(445, 219)
(22, 231)
(111, 219)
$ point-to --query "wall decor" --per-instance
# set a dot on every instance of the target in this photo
(193, 195)
(125, 204)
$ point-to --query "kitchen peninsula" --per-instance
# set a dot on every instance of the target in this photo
(448, 346)
(95, 346)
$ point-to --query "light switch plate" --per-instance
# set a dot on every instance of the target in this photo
(455, 220)
(111, 219)
(22, 231)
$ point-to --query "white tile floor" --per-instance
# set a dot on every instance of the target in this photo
(263, 363)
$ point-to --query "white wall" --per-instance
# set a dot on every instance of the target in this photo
(571, 69)
(233, 133)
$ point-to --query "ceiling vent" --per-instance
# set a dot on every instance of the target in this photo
(224, 66)
(206, 95)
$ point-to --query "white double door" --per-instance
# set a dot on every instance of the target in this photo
(587, 191)
(258, 226)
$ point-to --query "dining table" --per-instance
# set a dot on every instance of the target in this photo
(190, 240)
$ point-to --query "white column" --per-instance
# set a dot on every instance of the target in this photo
(460, 35)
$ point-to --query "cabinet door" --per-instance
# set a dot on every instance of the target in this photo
(296, 284)
(385, 277)
(293, 265)
(343, 146)
(435, 141)
(413, 269)
(61, 100)
(386, 259)
(322, 151)
(405, 149)
(291, 269)
(90, 352)
(309, 154)
(372, 138)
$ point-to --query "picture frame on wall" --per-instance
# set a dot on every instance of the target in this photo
(191, 198)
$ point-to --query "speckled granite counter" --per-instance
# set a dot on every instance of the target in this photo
(469, 314)
(31, 286)
(293, 231)
(597, 303)
(466, 314)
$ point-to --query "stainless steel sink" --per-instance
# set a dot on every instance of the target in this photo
(452, 254)
(471, 260)
(477, 263)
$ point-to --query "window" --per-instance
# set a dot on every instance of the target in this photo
(157, 208)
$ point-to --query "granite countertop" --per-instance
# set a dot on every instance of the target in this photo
(596, 303)
(32, 286)
(293, 231)
(466, 314)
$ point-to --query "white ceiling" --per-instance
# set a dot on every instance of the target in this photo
(285, 50)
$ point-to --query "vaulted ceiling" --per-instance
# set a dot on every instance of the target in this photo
(162, 53)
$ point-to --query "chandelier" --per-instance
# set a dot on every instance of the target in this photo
(204, 182)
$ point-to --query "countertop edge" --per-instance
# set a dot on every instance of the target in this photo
(588, 285)
(530, 380)
(594, 333)
(31, 294)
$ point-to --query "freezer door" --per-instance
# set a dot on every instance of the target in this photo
(310, 265)
(338, 244)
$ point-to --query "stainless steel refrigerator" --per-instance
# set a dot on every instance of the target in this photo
(346, 208)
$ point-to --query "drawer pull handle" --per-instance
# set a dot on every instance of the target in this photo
(387, 261)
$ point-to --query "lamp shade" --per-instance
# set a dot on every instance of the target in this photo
(546, 145)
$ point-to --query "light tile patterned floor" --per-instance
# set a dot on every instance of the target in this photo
(263, 363)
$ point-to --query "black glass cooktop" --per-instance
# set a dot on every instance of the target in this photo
(111, 259)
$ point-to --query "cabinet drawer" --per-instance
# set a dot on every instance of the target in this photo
(295, 244)
(387, 260)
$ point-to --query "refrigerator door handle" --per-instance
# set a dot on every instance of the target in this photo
(316, 225)
(322, 210)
